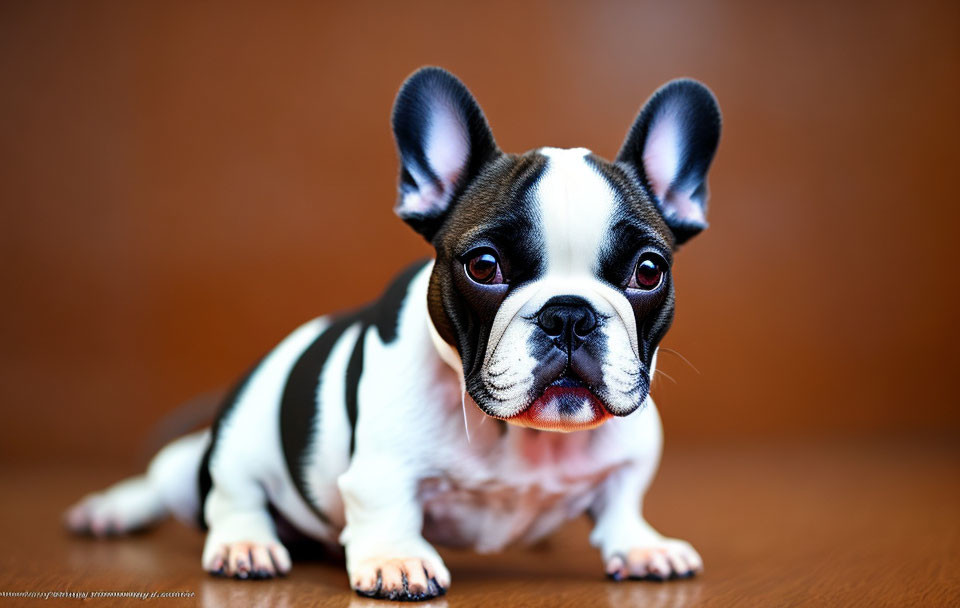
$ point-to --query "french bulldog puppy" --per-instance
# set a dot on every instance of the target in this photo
(492, 393)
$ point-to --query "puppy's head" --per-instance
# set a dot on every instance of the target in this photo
(552, 276)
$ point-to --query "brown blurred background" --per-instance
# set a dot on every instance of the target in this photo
(181, 184)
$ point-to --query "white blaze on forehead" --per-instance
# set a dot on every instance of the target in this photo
(576, 205)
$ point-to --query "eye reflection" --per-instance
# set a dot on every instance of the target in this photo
(648, 274)
(483, 267)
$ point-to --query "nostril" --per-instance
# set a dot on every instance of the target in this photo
(551, 321)
(568, 318)
(586, 323)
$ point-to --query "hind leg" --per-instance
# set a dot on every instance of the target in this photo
(138, 502)
(128, 506)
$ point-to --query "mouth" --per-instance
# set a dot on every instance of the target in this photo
(566, 404)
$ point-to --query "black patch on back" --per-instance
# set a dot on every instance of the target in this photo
(299, 407)
(385, 312)
(204, 479)
(354, 371)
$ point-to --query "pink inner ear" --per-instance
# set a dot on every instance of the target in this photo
(447, 150)
(661, 163)
(422, 201)
(447, 146)
(661, 153)
(679, 204)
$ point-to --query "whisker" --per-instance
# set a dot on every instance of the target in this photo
(463, 403)
(666, 375)
(684, 359)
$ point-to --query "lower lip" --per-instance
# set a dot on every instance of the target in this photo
(540, 414)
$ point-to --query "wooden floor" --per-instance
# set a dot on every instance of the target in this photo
(825, 523)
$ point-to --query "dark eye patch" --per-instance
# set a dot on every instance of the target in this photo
(497, 211)
(628, 238)
(500, 213)
(517, 243)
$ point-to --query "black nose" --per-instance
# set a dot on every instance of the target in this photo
(567, 319)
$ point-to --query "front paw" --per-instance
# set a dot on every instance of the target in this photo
(400, 578)
(248, 560)
(658, 560)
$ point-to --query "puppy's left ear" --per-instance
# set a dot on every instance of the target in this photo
(443, 139)
(670, 146)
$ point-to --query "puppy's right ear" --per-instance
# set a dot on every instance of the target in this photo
(443, 140)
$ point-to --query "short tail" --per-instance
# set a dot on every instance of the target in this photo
(169, 487)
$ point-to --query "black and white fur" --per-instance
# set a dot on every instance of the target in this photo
(370, 430)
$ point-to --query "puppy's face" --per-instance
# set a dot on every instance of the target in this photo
(552, 278)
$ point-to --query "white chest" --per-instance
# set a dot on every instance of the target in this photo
(521, 491)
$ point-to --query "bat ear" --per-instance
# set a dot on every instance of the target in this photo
(443, 140)
(670, 146)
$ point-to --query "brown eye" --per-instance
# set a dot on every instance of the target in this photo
(483, 267)
(649, 272)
